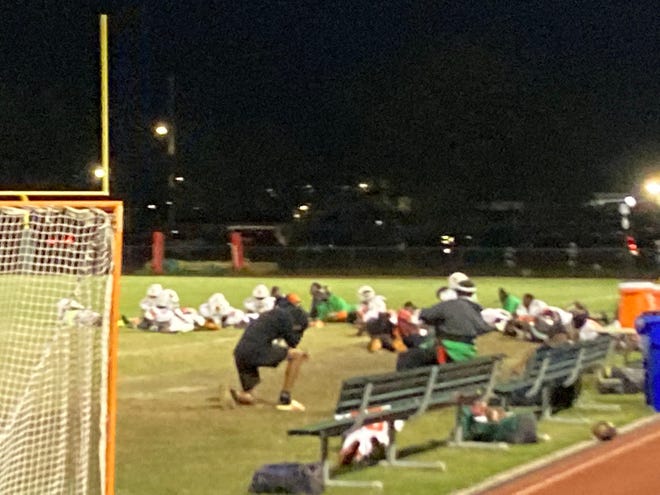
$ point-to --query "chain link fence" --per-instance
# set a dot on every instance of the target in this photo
(185, 257)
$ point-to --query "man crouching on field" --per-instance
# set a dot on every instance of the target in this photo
(258, 347)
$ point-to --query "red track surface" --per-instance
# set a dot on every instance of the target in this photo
(627, 465)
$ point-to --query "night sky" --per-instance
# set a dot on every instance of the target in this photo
(445, 102)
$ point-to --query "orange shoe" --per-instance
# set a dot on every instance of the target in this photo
(375, 344)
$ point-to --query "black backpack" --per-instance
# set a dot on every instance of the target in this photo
(290, 477)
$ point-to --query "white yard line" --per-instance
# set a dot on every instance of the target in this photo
(184, 345)
(164, 392)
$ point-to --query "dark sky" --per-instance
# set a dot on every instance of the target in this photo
(445, 100)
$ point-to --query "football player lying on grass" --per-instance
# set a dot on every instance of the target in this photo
(72, 313)
(367, 445)
(260, 345)
(219, 313)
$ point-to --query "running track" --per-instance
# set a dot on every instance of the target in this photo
(629, 464)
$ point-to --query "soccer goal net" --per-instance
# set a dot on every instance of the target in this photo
(59, 271)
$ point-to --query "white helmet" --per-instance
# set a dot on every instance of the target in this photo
(217, 302)
(260, 292)
(154, 290)
(163, 300)
(173, 297)
(455, 279)
(366, 293)
(446, 294)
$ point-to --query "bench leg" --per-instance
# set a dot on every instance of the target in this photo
(547, 415)
(583, 403)
(327, 481)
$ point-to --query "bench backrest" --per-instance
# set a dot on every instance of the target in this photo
(431, 385)
(597, 351)
(568, 359)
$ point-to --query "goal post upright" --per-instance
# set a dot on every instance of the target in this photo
(104, 191)
(105, 119)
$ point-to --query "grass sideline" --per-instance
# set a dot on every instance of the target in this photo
(179, 434)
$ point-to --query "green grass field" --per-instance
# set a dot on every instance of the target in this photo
(179, 434)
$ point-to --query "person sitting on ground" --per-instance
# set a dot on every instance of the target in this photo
(259, 302)
(496, 317)
(219, 312)
(370, 306)
(374, 319)
(509, 302)
(412, 332)
(258, 347)
(147, 303)
(530, 307)
(211, 310)
(331, 308)
(277, 294)
(315, 290)
(283, 300)
(538, 328)
(170, 317)
(482, 422)
(291, 299)
(457, 324)
(583, 327)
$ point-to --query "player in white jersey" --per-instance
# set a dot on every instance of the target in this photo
(259, 302)
(219, 312)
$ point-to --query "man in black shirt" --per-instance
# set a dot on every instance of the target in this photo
(257, 347)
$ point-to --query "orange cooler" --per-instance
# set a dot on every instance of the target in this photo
(636, 298)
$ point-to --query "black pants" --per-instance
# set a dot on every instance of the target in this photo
(416, 358)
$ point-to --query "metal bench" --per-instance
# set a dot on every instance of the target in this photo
(553, 368)
(400, 396)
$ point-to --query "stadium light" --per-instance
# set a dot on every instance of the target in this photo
(161, 129)
(652, 189)
(97, 171)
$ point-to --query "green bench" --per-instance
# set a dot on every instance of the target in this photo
(401, 395)
(551, 369)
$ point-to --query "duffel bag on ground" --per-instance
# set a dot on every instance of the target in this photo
(288, 477)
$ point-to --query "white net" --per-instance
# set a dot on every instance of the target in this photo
(55, 298)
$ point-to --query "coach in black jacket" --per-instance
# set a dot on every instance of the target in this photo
(260, 346)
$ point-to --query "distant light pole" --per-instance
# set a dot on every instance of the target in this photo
(167, 130)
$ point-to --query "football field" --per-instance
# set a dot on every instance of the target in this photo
(179, 433)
